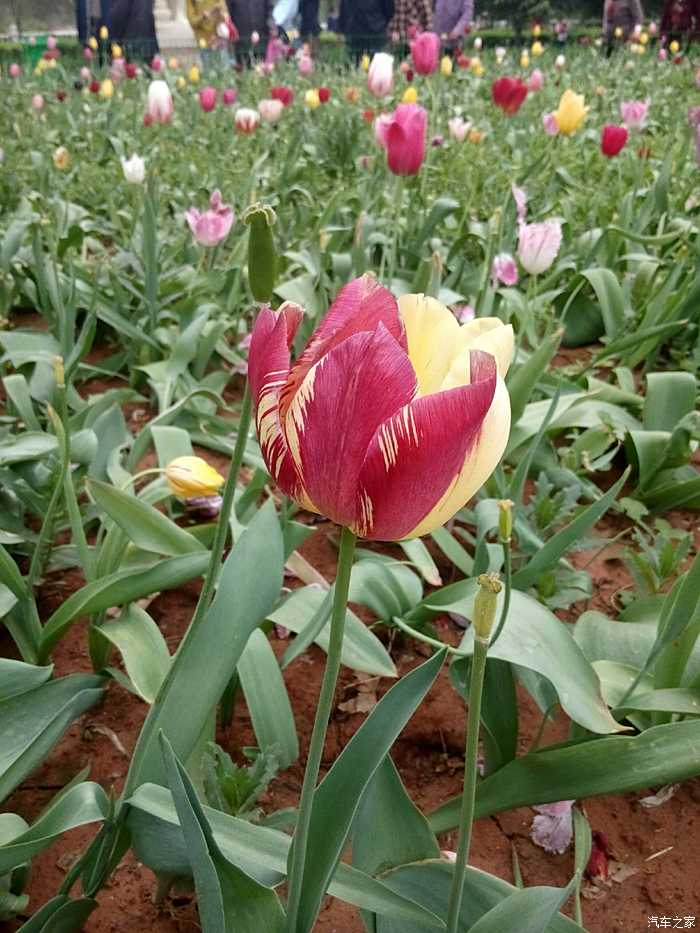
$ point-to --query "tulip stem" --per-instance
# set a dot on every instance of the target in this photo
(508, 573)
(222, 525)
(297, 855)
(466, 816)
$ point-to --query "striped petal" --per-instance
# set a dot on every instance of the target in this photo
(335, 414)
(360, 306)
(268, 369)
(427, 460)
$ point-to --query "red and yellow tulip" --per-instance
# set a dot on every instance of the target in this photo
(393, 415)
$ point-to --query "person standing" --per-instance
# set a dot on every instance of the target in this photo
(309, 21)
(364, 24)
(411, 16)
(208, 20)
(620, 17)
(681, 18)
(133, 26)
(251, 18)
(452, 18)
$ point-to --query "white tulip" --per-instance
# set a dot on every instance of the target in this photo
(134, 170)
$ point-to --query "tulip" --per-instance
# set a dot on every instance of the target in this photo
(663, 55)
(270, 110)
(613, 140)
(324, 94)
(254, 37)
(156, 63)
(15, 70)
(536, 81)
(464, 313)
(538, 245)
(116, 51)
(160, 102)
(37, 103)
(213, 225)
(130, 70)
(391, 418)
(410, 96)
(134, 170)
(229, 96)
(653, 28)
(173, 63)
(311, 99)
(504, 270)
(285, 94)
(634, 113)
(84, 73)
(509, 94)
(501, 53)
(193, 74)
(673, 47)
(437, 140)
(380, 77)
(524, 59)
(520, 198)
(181, 83)
(537, 49)
(475, 136)
(364, 62)
(246, 120)
(94, 86)
(192, 477)
(51, 43)
(207, 99)
(92, 43)
(446, 66)
(560, 62)
(352, 95)
(103, 33)
(61, 158)
(478, 43)
(61, 95)
(425, 52)
(402, 134)
(476, 67)
(305, 64)
(571, 112)
(459, 128)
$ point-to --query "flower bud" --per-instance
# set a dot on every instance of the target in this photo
(262, 261)
(505, 520)
(189, 477)
(485, 604)
(59, 372)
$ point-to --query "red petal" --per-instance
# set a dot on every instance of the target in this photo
(336, 412)
(268, 368)
(419, 452)
(359, 306)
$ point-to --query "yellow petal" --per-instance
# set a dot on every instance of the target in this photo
(431, 331)
(484, 333)
(192, 476)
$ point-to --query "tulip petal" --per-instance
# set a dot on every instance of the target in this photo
(268, 369)
(337, 410)
(484, 333)
(360, 306)
(428, 459)
(432, 332)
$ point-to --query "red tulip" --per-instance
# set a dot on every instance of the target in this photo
(207, 99)
(94, 87)
(283, 93)
(509, 94)
(613, 140)
(130, 70)
(425, 52)
(324, 94)
(229, 96)
(402, 134)
(60, 95)
(392, 416)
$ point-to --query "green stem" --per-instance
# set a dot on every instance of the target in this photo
(297, 856)
(507, 569)
(222, 525)
(466, 816)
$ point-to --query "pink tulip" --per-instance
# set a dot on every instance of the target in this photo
(247, 120)
(425, 52)
(270, 110)
(538, 245)
(85, 73)
(380, 77)
(459, 128)
(504, 270)
(37, 102)
(87, 53)
(156, 63)
(305, 64)
(634, 113)
(51, 43)
(535, 81)
(549, 121)
(229, 96)
(15, 70)
(464, 313)
(402, 134)
(213, 225)
(663, 55)
(207, 99)
(117, 70)
(160, 102)
(520, 198)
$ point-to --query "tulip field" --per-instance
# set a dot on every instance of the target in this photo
(349, 490)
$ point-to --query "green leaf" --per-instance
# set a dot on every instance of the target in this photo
(228, 900)
(33, 722)
(170, 442)
(16, 677)
(10, 575)
(267, 700)
(338, 796)
(420, 556)
(529, 911)
(148, 528)
(553, 550)
(616, 764)
(610, 298)
(429, 884)
(669, 397)
(209, 653)
(387, 587)
(33, 445)
(362, 650)
(119, 588)
(534, 638)
(142, 647)
(60, 915)
(522, 379)
(259, 851)
(84, 803)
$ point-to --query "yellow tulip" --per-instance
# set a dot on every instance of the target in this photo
(525, 59)
(476, 66)
(104, 33)
(537, 49)
(116, 51)
(189, 477)
(674, 47)
(410, 95)
(571, 112)
(537, 30)
(193, 74)
(446, 66)
(364, 63)
(181, 83)
(644, 38)
(107, 89)
(61, 158)
(311, 99)
(92, 42)
(618, 32)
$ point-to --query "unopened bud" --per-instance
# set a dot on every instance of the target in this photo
(505, 520)
(485, 604)
(262, 261)
(59, 372)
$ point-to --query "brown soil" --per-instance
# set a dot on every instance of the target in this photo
(664, 857)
